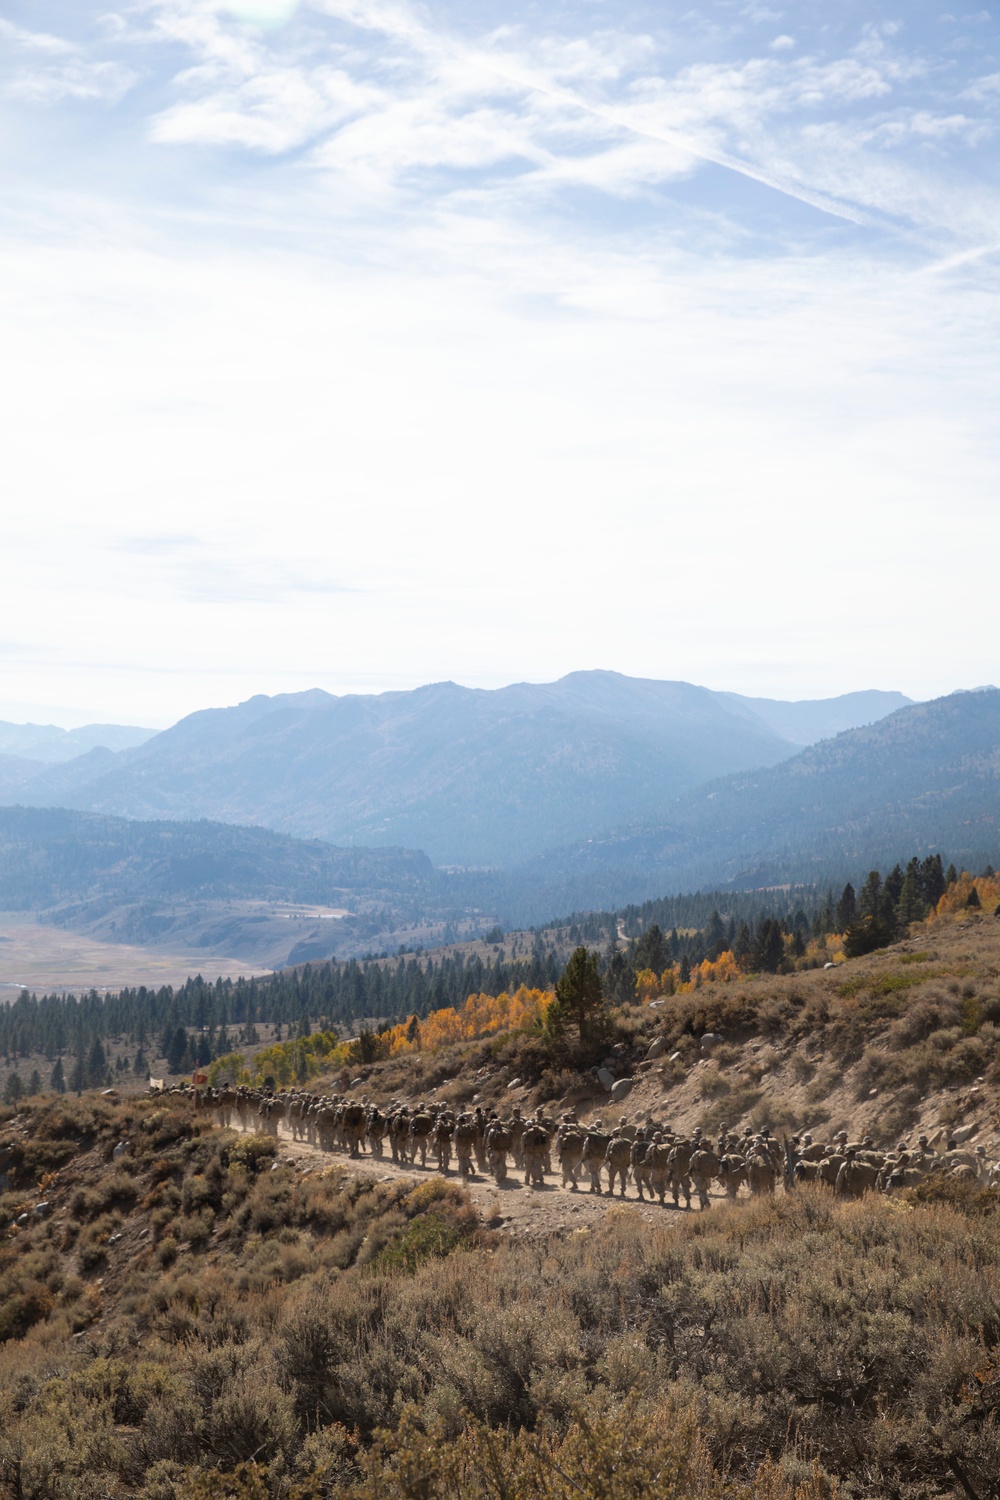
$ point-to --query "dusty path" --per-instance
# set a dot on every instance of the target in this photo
(513, 1207)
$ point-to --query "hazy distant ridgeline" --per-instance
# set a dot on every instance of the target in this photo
(470, 776)
(53, 855)
(923, 779)
(49, 744)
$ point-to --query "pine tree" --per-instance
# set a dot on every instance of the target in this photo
(97, 1064)
(847, 908)
(871, 891)
(78, 1078)
(875, 924)
(618, 974)
(579, 1002)
(892, 886)
(769, 946)
(715, 935)
(932, 879)
(176, 1051)
(35, 1082)
(57, 1079)
(13, 1089)
(912, 907)
(650, 950)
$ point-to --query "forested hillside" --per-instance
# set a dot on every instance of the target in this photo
(213, 887)
(51, 855)
(703, 940)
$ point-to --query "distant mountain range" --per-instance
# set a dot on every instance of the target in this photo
(473, 777)
(47, 743)
(925, 778)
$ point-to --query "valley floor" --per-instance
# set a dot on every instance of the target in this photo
(36, 956)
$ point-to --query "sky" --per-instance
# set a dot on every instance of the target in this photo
(359, 344)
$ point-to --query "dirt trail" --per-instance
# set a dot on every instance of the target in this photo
(512, 1207)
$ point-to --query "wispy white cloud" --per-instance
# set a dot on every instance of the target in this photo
(200, 570)
(42, 68)
(34, 41)
(334, 306)
(274, 112)
(379, 91)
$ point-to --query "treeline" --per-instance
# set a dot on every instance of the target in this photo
(190, 1026)
(764, 938)
(798, 905)
(330, 995)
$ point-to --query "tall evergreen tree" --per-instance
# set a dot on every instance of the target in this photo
(97, 1065)
(912, 906)
(769, 946)
(651, 951)
(847, 908)
(579, 1003)
(932, 879)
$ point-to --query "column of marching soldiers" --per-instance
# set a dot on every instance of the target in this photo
(656, 1159)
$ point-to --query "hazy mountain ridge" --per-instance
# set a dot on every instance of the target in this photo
(472, 776)
(208, 887)
(925, 778)
(47, 743)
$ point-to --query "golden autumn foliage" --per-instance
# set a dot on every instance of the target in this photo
(722, 970)
(298, 1060)
(956, 897)
(481, 1015)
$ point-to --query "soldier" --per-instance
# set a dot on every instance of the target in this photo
(618, 1158)
(704, 1166)
(570, 1141)
(442, 1137)
(498, 1143)
(464, 1136)
(594, 1147)
(534, 1150)
(516, 1127)
(640, 1163)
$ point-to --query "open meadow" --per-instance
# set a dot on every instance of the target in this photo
(47, 958)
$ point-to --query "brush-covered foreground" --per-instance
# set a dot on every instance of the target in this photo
(185, 1313)
(191, 1320)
